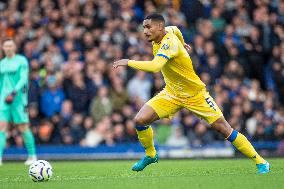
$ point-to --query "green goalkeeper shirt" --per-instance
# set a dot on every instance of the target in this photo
(14, 77)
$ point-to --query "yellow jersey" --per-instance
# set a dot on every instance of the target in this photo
(180, 77)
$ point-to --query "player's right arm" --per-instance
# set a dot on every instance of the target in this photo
(154, 65)
(168, 50)
(149, 66)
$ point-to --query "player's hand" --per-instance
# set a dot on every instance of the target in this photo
(9, 99)
(187, 48)
(122, 62)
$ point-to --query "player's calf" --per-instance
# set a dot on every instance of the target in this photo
(144, 131)
(146, 136)
(3, 127)
(241, 143)
(29, 143)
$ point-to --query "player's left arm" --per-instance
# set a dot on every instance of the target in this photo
(179, 35)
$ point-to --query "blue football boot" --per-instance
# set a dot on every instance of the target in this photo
(147, 160)
(263, 168)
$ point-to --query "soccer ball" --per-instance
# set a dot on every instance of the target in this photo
(40, 171)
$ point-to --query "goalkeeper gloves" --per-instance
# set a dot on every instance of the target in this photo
(9, 99)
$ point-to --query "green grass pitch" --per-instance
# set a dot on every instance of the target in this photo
(167, 174)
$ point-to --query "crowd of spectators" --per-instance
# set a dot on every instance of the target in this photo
(75, 97)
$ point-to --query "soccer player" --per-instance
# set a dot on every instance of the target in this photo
(183, 89)
(14, 72)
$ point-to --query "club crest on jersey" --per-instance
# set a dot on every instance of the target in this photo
(165, 46)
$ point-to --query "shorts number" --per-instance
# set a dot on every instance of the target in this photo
(210, 103)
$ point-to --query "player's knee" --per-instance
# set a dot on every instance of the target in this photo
(3, 126)
(23, 127)
(140, 120)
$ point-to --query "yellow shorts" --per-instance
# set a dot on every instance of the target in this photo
(202, 105)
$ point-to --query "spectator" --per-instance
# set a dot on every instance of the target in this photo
(163, 130)
(259, 135)
(130, 131)
(217, 21)
(279, 132)
(101, 105)
(52, 98)
(96, 135)
(66, 111)
(78, 90)
(34, 116)
(118, 94)
(201, 135)
(139, 87)
(45, 132)
(253, 122)
(34, 83)
(158, 84)
(177, 138)
(77, 129)
(119, 133)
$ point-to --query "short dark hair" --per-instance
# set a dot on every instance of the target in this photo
(155, 17)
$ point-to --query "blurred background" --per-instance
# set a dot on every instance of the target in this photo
(79, 105)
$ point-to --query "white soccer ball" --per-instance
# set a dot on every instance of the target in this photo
(40, 171)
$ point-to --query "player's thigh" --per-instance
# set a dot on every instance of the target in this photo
(20, 114)
(163, 105)
(204, 107)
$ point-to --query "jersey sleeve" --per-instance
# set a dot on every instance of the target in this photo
(149, 66)
(168, 50)
(24, 71)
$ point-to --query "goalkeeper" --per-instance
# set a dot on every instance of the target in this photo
(14, 72)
